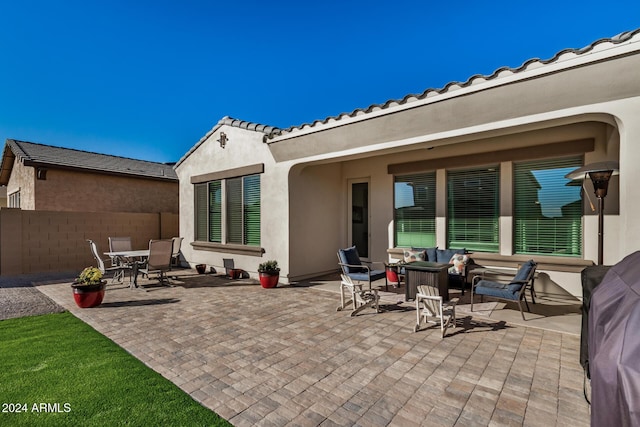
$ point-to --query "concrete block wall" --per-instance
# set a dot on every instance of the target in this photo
(47, 241)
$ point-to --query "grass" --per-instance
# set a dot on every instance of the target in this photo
(83, 378)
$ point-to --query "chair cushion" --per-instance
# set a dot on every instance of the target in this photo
(364, 277)
(525, 270)
(431, 253)
(445, 255)
(495, 289)
(459, 262)
(414, 255)
(350, 256)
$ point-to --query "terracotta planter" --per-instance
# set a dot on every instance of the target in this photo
(392, 276)
(87, 296)
(201, 268)
(235, 273)
(269, 279)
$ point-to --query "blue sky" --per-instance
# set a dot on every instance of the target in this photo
(147, 79)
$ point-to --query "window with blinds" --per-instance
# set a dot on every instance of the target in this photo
(414, 210)
(215, 211)
(547, 208)
(240, 203)
(473, 209)
(201, 207)
(251, 210)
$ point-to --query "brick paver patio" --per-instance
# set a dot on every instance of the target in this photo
(284, 356)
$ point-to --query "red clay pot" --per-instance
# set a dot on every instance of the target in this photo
(392, 276)
(87, 296)
(269, 279)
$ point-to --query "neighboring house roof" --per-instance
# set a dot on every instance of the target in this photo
(40, 155)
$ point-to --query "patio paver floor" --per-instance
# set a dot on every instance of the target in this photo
(284, 356)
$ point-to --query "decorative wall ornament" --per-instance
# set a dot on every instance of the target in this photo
(223, 139)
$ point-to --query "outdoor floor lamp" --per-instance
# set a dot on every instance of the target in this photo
(600, 173)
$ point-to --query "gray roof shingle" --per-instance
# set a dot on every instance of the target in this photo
(46, 155)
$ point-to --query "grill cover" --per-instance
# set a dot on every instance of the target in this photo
(614, 346)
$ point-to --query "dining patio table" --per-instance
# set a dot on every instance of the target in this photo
(131, 259)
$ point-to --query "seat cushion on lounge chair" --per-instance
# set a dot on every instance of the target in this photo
(350, 256)
(375, 275)
(498, 290)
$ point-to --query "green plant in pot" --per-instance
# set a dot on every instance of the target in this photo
(88, 288)
(269, 274)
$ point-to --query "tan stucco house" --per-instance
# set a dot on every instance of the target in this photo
(477, 165)
(48, 178)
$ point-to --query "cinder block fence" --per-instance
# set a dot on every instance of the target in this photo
(45, 241)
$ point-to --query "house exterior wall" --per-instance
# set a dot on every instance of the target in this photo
(243, 148)
(310, 190)
(588, 103)
(67, 190)
(23, 180)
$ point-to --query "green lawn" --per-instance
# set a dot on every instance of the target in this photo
(58, 371)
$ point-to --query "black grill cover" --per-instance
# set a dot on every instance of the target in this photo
(591, 277)
(614, 346)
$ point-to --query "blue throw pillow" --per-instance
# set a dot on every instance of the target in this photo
(445, 255)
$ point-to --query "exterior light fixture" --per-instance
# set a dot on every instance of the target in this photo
(600, 174)
(223, 139)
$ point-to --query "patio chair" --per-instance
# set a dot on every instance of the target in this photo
(360, 299)
(510, 290)
(118, 270)
(430, 304)
(159, 261)
(357, 270)
(119, 244)
(175, 250)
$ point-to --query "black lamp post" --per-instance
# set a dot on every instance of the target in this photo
(600, 174)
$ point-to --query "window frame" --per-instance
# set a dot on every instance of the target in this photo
(486, 225)
(566, 241)
(221, 182)
(427, 221)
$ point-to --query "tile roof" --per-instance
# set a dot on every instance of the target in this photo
(229, 121)
(533, 63)
(47, 155)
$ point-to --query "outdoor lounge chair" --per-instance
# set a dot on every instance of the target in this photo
(118, 270)
(511, 290)
(159, 261)
(357, 270)
(429, 303)
(360, 299)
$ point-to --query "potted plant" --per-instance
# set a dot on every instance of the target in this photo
(88, 288)
(269, 274)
